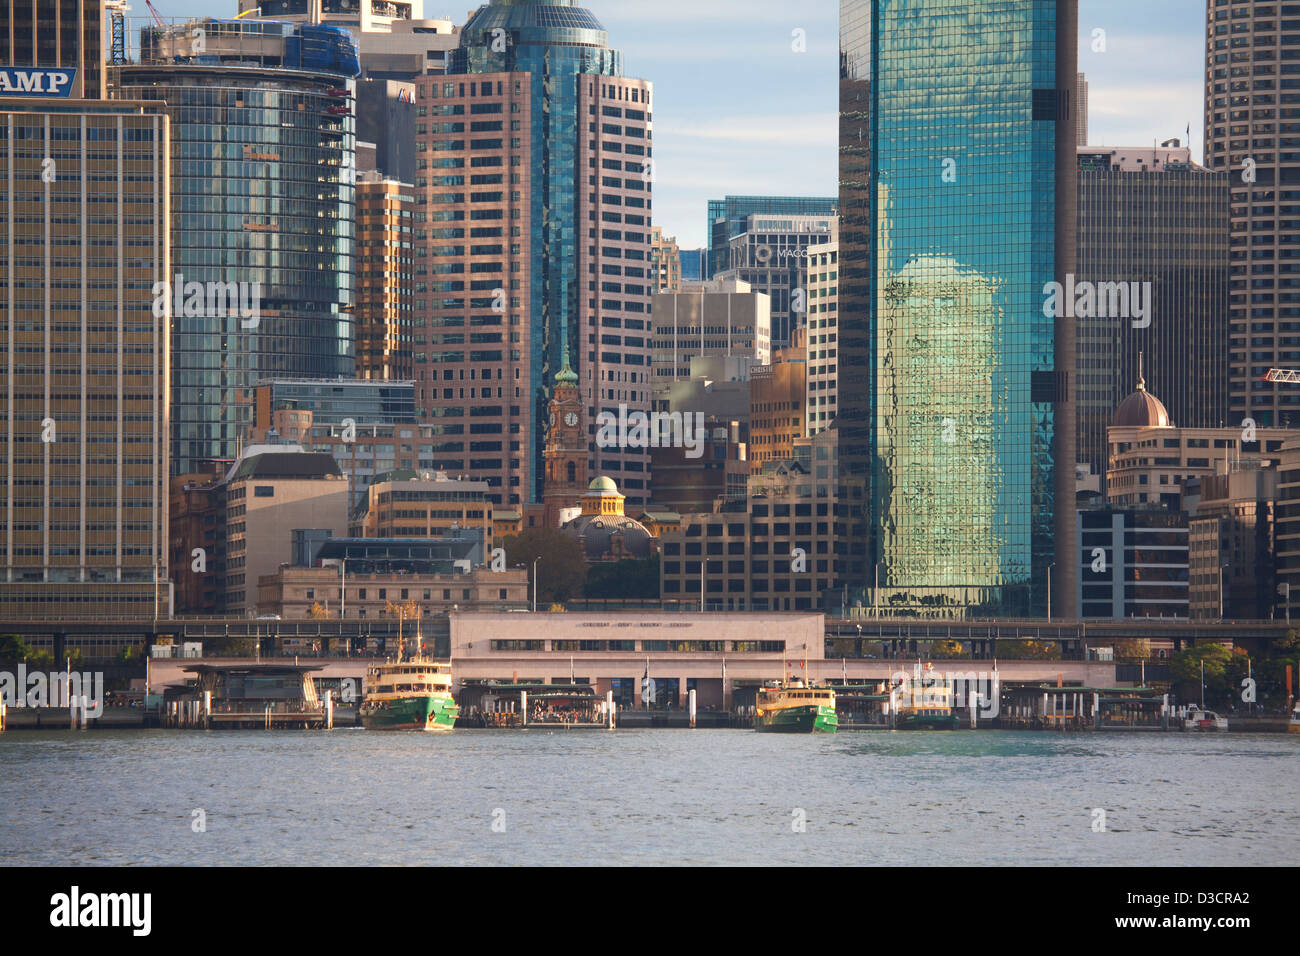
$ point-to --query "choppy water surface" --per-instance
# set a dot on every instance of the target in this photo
(647, 797)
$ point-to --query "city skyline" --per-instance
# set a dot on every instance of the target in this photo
(714, 136)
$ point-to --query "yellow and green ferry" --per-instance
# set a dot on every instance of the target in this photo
(412, 694)
(925, 702)
(796, 708)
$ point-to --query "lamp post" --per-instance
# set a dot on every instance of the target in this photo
(1049, 591)
(1222, 567)
(875, 591)
(343, 589)
(535, 560)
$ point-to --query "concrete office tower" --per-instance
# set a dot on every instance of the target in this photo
(723, 318)
(728, 218)
(820, 282)
(63, 35)
(1081, 110)
(958, 207)
(777, 405)
(83, 399)
(535, 250)
(270, 496)
(665, 261)
(1250, 135)
(263, 136)
(1151, 215)
(384, 278)
(768, 253)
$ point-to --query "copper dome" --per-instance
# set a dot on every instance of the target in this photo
(1142, 409)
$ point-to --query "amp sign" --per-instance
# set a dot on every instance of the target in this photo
(35, 81)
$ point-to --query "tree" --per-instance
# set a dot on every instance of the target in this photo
(1132, 648)
(1270, 671)
(1028, 650)
(1220, 671)
(627, 579)
(14, 649)
(561, 573)
(409, 610)
(947, 649)
(318, 612)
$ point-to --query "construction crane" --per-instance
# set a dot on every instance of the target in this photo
(117, 10)
(156, 19)
(1283, 376)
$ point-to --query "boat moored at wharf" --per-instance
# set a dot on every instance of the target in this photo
(411, 694)
(794, 707)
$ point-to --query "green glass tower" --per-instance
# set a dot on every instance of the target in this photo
(957, 193)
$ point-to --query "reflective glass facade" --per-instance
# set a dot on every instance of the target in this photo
(260, 193)
(960, 112)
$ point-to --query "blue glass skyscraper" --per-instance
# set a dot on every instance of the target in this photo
(957, 191)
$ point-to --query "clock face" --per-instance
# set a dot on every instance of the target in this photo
(571, 419)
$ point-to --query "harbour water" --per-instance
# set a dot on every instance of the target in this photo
(647, 797)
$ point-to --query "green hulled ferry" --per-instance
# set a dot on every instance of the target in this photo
(925, 702)
(796, 708)
(413, 694)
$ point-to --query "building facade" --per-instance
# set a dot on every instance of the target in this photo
(384, 279)
(262, 248)
(1230, 544)
(727, 218)
(67, 35)
(718, 319)
(774, 549)
(666, 262)
(424, 505)
(1250, 136)
(957, 221)
(770, 255)
(535, 252)
(268, 496)
(821, 284)
(1151, 460)
(1134, 563)
(1151, 215)
(777, 406)
(83, 395)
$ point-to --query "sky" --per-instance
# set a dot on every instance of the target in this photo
(738, 111)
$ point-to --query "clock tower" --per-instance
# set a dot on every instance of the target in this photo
(566, 451)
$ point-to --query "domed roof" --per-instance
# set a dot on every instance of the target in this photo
(566, 376)
(1142, 409)
(610, 536)
(603, 483)
(539, 22)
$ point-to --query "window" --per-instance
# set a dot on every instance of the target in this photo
(264, 491)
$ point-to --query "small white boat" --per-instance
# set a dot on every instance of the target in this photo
(1200, 719)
